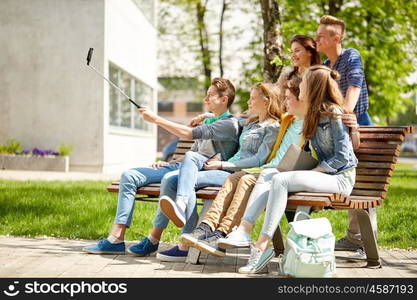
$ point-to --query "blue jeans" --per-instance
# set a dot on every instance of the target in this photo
(182, 183)
(130, 181)
(364, 119)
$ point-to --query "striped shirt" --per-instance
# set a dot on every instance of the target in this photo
(349, 66)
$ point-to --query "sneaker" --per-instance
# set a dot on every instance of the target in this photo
(236, 239)
(359, 254)
(199, 233)
(173, 212)
(209, 244)
(345, 245)
(143, 248)
(105, 247)
(257, 261)
(174, 254)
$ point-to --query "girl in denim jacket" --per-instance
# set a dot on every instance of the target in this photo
(329, 142)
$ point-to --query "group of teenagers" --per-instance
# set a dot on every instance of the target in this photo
(314, 105)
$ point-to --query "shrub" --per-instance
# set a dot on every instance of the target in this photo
(65, 149)
(11, 147)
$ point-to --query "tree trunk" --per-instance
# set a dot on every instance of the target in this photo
(273, 44)
(204, 42)
(334, 7)
(224, 6)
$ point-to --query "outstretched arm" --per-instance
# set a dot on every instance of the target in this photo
(179, 130)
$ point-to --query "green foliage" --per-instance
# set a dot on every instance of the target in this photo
(11, 147)
(65, 149)
(409, 116)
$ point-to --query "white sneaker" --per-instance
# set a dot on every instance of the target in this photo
(257, 261)
(359, 254)
(172, 211)
(236, 239)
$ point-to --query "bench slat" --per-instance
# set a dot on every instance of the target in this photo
(177, 156)
(371, 186)
(390, 152)
(375, 165)
(382, 137)
(367, 178)
(378, 145)
(377, 158)
(359, 192)
(378, 172)
(385, 129)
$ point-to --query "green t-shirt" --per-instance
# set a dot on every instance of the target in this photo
(214, 119)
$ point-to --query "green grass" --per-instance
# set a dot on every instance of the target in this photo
(85, 210)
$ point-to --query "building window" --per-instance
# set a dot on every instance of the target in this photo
(194, 107)
(165, 107)
(122, 112)
(148, 9)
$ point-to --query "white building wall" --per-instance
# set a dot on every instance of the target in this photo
(49, 96)
(131, 45)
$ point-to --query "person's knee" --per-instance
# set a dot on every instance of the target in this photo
(248, 179)
(191, 155)
(133, 177)
(169, 180)
(266, 175)
(279, 180)
(194, 157)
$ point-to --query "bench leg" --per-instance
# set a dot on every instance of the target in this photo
(303, 208)
(194, 254)
(368, 238)
(277, 239)
(206, 206)
(278, 242)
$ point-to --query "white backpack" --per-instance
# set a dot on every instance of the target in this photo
(309, 250)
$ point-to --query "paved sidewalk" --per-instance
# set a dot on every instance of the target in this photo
(50, 257)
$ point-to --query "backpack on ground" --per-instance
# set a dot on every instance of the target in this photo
(309, 250)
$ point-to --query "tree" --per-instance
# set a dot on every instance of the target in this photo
(200, 9)
(191, 28)
(224, 6)
(273, 44)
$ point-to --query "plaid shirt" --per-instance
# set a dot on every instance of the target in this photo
(349, 66)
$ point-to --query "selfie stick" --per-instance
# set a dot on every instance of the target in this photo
(89, 55)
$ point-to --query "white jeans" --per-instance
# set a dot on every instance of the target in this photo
(272, 188)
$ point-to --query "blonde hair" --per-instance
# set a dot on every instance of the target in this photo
(323, 96)
(333, 21)
(274, 108)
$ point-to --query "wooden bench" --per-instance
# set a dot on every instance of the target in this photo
(377, 155)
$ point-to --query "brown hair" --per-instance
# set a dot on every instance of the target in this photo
(323, 96)
(310, 45)
(294, 86)
(274, 109)
(330, 20)
(225, 88)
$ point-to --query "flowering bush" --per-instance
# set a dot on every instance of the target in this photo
(37, 151)
(15, 147)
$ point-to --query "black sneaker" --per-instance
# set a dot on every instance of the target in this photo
(209, 244)
(199, 233)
